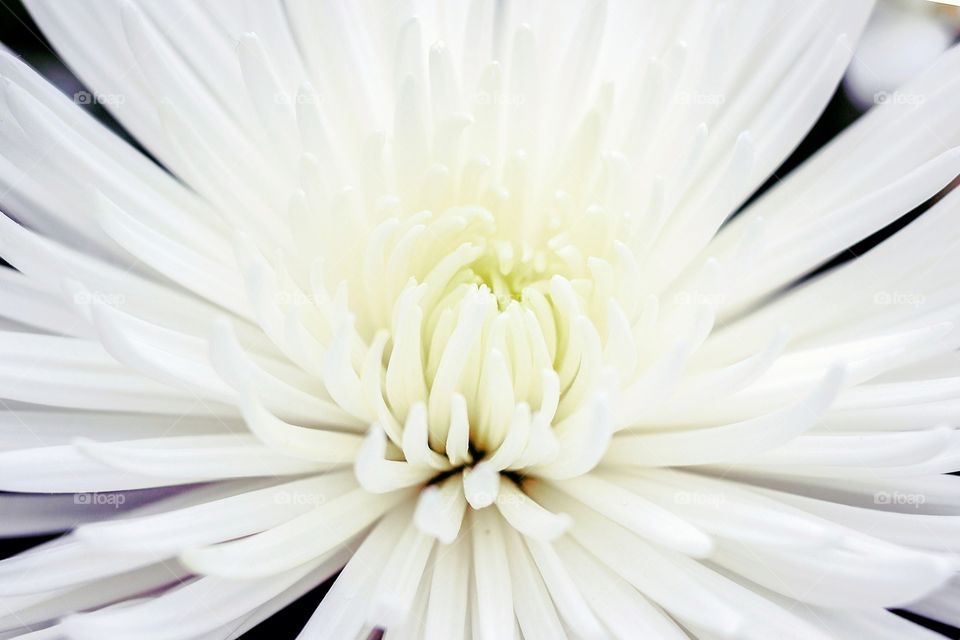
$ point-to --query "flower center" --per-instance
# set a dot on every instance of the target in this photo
(489, 337)
(507, 269)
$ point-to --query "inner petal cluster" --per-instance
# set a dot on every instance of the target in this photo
(491, 346)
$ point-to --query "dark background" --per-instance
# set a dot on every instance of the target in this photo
(20, 34)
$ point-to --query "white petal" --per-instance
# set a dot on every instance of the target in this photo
(392, 601)
(528, 517)
(449, 589)
(296, 541)
(728, 442)
(217, 520)
(440, 509)
(342, 611)
(378, 474)
(493, 594)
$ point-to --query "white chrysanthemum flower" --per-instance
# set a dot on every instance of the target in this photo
(448, 296)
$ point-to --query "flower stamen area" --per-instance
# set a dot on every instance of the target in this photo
(489, 339)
